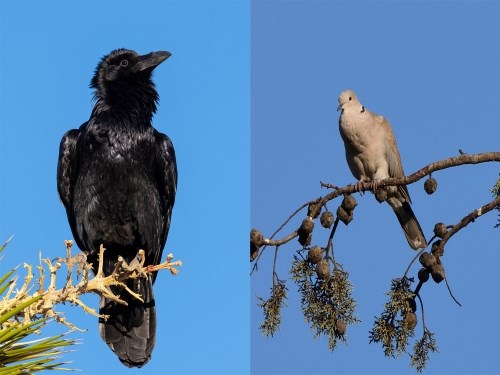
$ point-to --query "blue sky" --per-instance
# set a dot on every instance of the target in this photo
(432, 69)
(49, 51)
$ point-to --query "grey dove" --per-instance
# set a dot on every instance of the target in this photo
(372, 154)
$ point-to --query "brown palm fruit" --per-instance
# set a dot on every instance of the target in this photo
(315, 254)
(340, 327)
(326, 219)
(427, 260)
(410, 321)
(256, 239)
(344, 216)
(381, 195)
(423, 275)
(349, 203)
(430, 185)
(323, 269)
(437, 272)
(305, 231)
(440, 230)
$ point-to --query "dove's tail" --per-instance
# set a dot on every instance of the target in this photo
(130, 331)
(409, 223)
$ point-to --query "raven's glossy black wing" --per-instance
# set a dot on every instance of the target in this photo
(166, 174)
(67, 173)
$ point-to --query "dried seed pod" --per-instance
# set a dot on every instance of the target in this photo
(430, 185)
(256, 239)
(436, 250)
(310, 208)
(423, 275)
(340, 327)
(343, 215)
(305, 231)
(305, 239)
(437, 272)
(326, 219)
(254, 251)
(323, 269)
(410, 321)
(315, 254)
(381, 195)
(440, 230)
(307, 225)
(349, 203)
(427, 260)
(412, 304)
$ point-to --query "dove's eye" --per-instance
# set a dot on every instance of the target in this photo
(350, 98)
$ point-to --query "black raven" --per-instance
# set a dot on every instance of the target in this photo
(117, 179)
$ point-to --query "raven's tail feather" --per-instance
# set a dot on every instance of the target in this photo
(130, 331)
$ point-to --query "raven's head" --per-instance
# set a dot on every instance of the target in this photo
(123, 79)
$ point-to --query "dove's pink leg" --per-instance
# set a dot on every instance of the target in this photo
(358, 186)
(374, 185)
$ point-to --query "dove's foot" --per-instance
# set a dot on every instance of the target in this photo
(359, 187)
(374, 185)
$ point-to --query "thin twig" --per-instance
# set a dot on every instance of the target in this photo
(413, 261)
(275, 275)
(270, 242)
(328, 185)
(450, 292)
(330, 239)
(422, 308)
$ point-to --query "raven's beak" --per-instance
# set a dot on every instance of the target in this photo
(151, 60)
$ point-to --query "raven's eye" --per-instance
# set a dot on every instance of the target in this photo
(124, 63)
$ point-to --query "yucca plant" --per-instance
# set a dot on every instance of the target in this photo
(21, 357)
(18, 356)
(26, 310)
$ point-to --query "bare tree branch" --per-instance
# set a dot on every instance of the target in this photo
(470, 218)
(397, 322)
(407, 180)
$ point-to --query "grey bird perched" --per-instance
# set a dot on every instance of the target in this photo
(117, 179)
(372, 154)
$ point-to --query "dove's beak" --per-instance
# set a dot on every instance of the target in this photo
(339, 107)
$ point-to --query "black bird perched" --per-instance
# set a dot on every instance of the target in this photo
(117, 179)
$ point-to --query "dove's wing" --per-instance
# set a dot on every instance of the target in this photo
(392, 156)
